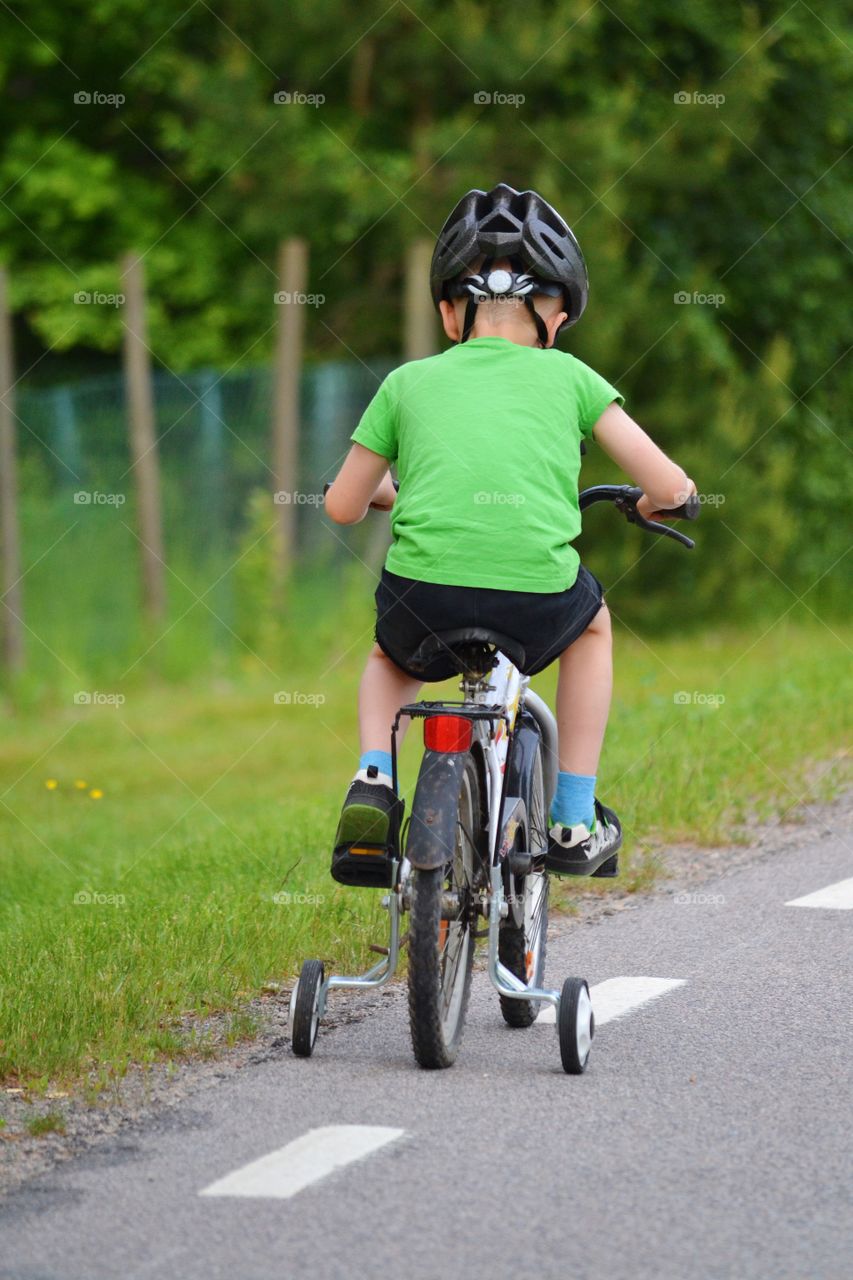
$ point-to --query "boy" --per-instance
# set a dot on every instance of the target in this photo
(486, 437)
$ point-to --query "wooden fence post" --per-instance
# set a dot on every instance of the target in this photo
(143, 438)
(292, 279)
(11, 622)
(420, 327)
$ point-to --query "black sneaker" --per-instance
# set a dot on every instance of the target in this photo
(577, 851)
(368, 832)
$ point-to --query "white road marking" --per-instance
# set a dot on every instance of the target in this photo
(617, 996)
(319, 1152)
(838, 896)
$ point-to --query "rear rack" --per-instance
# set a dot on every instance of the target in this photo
(422, 710)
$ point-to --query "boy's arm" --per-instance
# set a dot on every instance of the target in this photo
(364, 480)
(665, 485)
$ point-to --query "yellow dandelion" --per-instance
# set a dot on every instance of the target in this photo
(96, 793)
(80, 784)
(51, 784)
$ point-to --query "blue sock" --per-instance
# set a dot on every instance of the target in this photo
(574, 801)
(382, 760)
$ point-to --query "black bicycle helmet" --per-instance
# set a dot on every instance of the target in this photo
(518, 225)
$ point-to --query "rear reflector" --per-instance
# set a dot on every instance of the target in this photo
(447, 733)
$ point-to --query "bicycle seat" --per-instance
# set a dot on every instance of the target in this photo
(468, 648)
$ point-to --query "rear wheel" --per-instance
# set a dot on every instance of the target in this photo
(522, 937)
(441, 937)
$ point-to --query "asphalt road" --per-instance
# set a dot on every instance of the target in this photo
(709, 1138)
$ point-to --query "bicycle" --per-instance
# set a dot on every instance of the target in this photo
(474, 849)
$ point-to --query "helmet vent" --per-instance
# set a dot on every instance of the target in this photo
(552, 244)
(500, 222)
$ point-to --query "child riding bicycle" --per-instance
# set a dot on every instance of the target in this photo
(486, 438)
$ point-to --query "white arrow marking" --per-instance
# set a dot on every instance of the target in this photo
(838, 896)
(319, 1152)
(617, 996)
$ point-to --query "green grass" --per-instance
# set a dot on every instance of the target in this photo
(51, 1122)
(121, 915)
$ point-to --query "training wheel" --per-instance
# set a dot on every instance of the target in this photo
(305, 1008)
(575, 1026)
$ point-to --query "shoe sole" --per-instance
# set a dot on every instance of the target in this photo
(560, 866)
(362, 824)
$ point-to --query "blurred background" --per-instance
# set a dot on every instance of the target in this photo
(698, 155)
(167, 171)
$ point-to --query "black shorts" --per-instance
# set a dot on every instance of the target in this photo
(545, 624)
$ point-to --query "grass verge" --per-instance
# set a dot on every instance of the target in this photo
(163, 859)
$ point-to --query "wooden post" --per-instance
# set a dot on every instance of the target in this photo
(293, 277)
(11, 621)
(143, 438)
(420, 327)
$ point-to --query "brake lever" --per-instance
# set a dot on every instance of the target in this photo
(627, 504)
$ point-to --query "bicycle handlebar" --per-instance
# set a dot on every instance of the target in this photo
(625, 498)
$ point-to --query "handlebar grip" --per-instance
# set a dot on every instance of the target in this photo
(688, 510)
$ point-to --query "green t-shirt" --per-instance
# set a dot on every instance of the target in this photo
(486, 437)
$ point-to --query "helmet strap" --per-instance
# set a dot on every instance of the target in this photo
(470, 318)
(471, 305)
(538, 321)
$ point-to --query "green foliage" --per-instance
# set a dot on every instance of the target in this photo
(202, 170)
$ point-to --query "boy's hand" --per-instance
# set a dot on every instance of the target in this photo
(649, 511)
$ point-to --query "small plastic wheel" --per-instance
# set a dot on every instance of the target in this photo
(305, 1008)
(575, 1026)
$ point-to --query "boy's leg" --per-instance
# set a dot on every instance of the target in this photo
(585, 835)
(584, 688)
(384, 689)
(371, 811)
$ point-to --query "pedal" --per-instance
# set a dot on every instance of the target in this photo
(520, 863)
